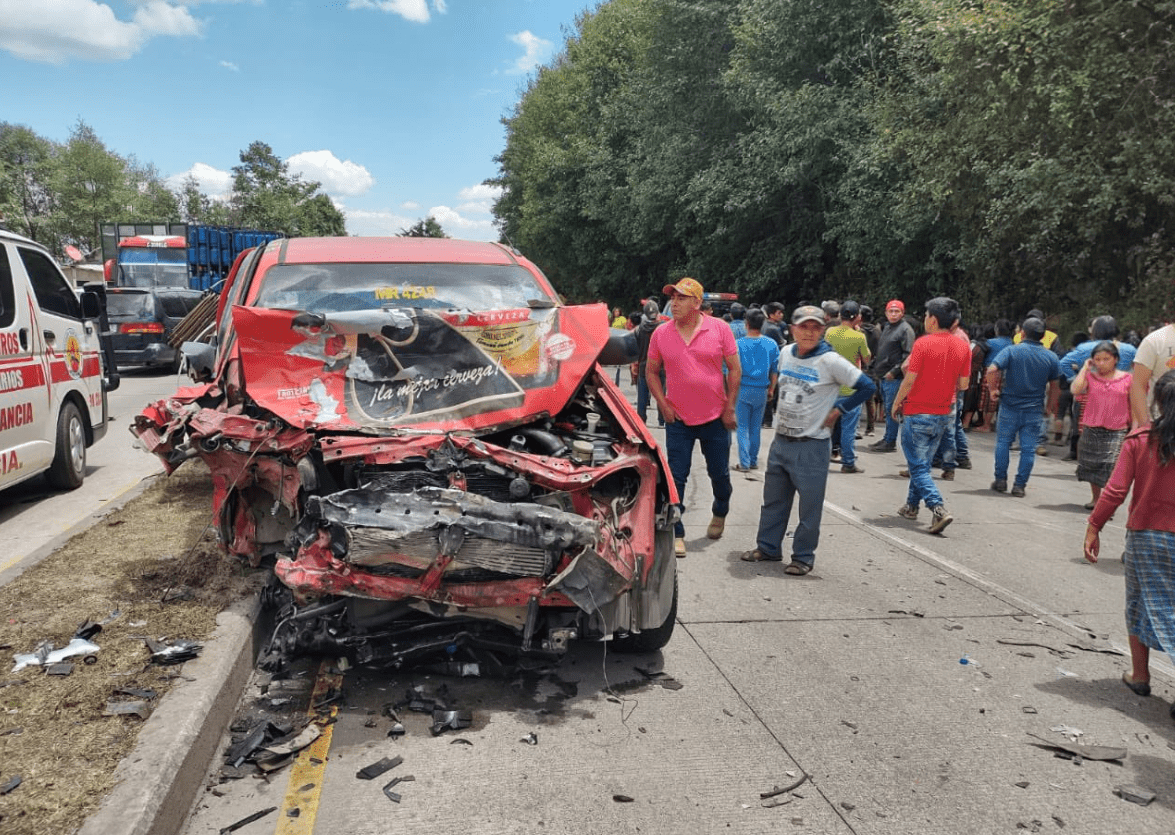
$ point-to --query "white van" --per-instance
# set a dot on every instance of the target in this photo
(52, 379)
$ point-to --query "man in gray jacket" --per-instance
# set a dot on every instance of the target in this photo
(894, 345)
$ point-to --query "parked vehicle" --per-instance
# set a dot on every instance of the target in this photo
(141, 321)
(421, 437)
(191, 255)
(53, 380)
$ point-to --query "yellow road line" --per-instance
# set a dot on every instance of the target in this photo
(309, 768)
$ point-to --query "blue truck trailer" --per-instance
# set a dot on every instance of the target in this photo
(192, 255)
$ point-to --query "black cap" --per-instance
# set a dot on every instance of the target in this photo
(850, 310)
(1033, 329)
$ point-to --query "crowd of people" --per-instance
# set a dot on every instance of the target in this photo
(1107, 399)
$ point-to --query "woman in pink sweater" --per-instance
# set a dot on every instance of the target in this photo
(1145, 463)
(1105, 416)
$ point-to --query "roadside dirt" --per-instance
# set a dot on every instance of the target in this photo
(149, 570)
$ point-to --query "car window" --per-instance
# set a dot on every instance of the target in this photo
(50, 287)
(333, 288)
(7, 291)
(123, 304)
(177, 306)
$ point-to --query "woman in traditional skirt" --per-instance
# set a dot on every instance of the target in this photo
(1145, 463)
(1105, 416)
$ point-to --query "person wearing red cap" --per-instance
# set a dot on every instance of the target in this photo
(698, 399)
(895, 344)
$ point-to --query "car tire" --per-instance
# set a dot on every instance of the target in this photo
(650, 640)
(68, 470)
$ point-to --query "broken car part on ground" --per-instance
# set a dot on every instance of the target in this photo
(421, 437)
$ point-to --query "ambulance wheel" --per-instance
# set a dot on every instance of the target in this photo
(69, 461)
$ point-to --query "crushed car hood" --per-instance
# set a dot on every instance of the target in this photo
(378, 370)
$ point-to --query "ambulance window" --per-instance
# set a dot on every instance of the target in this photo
(49, 286)
(7, 294)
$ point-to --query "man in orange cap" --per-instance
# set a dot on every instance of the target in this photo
(698, 399)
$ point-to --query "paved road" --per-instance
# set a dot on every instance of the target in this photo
(32, 516)
(850, 675)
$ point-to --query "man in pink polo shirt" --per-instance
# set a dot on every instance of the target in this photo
(698, 400)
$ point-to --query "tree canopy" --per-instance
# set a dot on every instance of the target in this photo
(427, 228)
(1010, 153)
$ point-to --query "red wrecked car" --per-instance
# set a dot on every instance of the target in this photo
(420, 436)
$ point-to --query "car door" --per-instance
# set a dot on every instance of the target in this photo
(25, 400)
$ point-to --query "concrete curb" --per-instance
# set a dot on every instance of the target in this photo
(160, 779)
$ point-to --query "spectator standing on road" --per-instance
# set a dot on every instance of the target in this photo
(697, 401)
(650, 320)
(894, 345)
(1145, 466)
(872, 334)
(851, 344)
(811, 374)
(1003, 329)
(1101, 329)
(738, 321)
(938, 367)
(758, 355)
(773, 328)
(1105, 417)
(1019, 378)
(1156, 356)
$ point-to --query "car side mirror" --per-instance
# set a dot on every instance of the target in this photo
(91, 305)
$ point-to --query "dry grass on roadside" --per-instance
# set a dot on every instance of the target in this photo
(52, 729)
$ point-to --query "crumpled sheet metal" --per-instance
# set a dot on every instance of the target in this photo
(45, 655)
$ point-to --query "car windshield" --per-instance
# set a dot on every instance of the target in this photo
(130, 305)
(328, 288)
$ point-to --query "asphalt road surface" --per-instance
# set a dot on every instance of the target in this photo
(33, 516)
(848, 679)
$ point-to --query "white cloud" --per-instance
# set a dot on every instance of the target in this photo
(337, 177)
(414, 10)
(212, 181)
(56, 32)
(229, 65)
(409, 205)
(458, 225)
(535, 49)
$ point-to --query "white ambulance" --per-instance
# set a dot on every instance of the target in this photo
(52, 380)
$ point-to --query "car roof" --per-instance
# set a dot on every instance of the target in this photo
(391, 250)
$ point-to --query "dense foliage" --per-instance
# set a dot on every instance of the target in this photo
(1010, 153)
(57, 194)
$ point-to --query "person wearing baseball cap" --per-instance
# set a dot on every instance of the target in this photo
(698, 398)
(894, 345)
(810, 377)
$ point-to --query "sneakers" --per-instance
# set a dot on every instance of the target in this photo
(908, 511)
(963, 463)
(1018, 490)
(948, 475)
(679, 547)
(941, 519)
(1042, 451)
(904, 473)
(882, 446)
(740, 468)
(1000, 485)
(851, 468)
(717, 526)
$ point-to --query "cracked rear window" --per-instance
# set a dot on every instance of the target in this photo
(340, 287)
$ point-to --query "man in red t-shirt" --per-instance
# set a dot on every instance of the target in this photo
(938, 367)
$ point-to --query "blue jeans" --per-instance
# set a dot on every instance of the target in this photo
(752, 400)
(679, 450)
(921, 435)
(793, 467)
(889, 388)
(1024, 424)
(643, 398)
(953, 447)
(848, 435)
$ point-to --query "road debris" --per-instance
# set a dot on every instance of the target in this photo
(1134, 794)
(530, 739)
(125, 708)
(62, 669)
(377, 768)
(446, 720)
(233, 827)
(44, 654)
(394, 796)
(660, 677)
(622, 798)
(10, 784)
(174, 652)
(1100, 753)
(293, 743)
(776, 791)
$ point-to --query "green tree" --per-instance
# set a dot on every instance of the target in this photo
(91, 186)
(427, 228)
(267, 196)
(26, 169)
(197, 207)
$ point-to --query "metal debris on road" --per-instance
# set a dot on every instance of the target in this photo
(622, 798)
(1100, 753)
(44, 654)
(10, 784)
(776, 791)
(62, 669)
(445, 720)
(530, 739)
(120, 708)
(233, 827)
(174, 652)
(660, 677)
(377, 768)
(394, 796)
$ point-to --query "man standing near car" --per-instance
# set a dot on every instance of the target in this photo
(895, 344)
(811, 375)
(773, 328)
(851, 344)
(939, 366)
(698, 400)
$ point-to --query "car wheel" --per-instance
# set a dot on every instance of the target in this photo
(68, 469)
(650, 640)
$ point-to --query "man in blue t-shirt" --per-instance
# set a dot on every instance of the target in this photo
(1020, 377)
(759, 357)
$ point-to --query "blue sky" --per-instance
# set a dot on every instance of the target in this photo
(393, 105)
